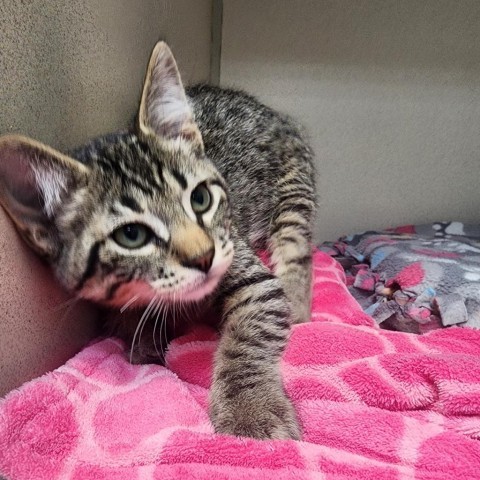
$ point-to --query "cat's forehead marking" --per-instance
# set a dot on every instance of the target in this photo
(180, 178)
(151, 165)
(131, 203)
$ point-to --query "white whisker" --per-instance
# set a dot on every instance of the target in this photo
(147, 313)
(163, 327)
(68, 308)
(67, 303)
(159, 309)
(174, 310)
(140, 326)
(132, 300)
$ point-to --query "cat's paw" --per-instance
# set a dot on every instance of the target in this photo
(257, 413)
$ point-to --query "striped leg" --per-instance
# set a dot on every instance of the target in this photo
(247, 397)
(290, 244)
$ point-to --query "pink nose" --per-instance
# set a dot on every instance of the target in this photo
(201, 262)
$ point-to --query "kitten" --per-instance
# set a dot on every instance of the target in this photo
(169, 214)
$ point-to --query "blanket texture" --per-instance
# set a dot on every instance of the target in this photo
(415, 278)
(374, 405)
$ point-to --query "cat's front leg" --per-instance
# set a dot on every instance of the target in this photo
(247, 397)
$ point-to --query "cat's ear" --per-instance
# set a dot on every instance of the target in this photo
(34, 180)
(164, 109)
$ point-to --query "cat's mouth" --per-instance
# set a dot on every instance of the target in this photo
(195, 286)
(191, 287)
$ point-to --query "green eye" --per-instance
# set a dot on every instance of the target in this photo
(200, 199)
(132, 235)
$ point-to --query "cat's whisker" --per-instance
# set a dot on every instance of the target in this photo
(66, 304)
(147, 313)
(158, 311)
(191, 309)
(133, 340)
(140, 325)
(163, 327)
(187, 312)
(174, 309)
(130, 302)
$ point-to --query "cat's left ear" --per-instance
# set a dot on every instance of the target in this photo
(34, 181)
(164, 109)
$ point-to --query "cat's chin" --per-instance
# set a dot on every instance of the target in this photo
(197, 291)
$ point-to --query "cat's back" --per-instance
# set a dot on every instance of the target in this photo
(253, 146)
(233, 119)
(228, 109)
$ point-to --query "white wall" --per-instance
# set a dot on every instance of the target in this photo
(389, 91)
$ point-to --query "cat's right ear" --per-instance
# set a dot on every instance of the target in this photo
(34, 180)
(164, 110)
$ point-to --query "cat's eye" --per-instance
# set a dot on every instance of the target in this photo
(200, 199)
(132, 235)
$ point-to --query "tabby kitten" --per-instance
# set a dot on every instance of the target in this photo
(171, 213)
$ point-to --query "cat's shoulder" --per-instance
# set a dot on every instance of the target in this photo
(213, 92)
(210, 99)
(235, 110)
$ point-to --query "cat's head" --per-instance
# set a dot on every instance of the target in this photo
(143, 215)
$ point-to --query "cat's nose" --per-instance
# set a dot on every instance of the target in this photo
(201, 262)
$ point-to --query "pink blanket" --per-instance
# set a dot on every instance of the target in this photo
(374, 405)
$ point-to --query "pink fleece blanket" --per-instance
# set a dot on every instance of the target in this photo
(374, 405)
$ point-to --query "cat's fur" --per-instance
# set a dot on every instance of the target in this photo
(258, 170)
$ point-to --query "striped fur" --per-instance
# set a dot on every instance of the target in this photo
(258, 172)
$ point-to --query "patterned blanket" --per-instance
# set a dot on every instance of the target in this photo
(415, 278)
(374, 405)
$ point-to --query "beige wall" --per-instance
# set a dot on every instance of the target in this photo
(72, 70)
(40, 327)
(389, 91)
(69, 71)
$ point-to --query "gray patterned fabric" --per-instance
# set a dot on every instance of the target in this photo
(415, 278)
